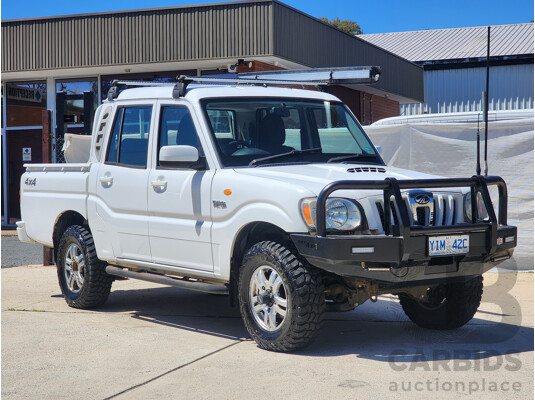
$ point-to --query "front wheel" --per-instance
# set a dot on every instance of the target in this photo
(447, 306)
(281, 299)
(82, 276)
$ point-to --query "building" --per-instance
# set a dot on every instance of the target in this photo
(49, 63)
(454, 62)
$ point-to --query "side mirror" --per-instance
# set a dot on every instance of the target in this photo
(379, 150)
(181, 157)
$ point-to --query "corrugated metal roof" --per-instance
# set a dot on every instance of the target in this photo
(456, 43)
(259, 28)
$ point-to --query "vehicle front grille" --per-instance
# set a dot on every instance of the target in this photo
(443, 211)
(421, 211)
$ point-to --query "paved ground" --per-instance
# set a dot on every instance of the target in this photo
(15, 253)
(152, 342)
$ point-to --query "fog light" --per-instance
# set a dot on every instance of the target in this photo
(499, 241)
(363, 250)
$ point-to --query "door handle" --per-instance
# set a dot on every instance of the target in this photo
(106, 180)
(159, 184)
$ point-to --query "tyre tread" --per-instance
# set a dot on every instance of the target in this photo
(97, 283)
(308, 304)
(462, 302)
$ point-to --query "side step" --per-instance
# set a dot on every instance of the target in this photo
(166, 280)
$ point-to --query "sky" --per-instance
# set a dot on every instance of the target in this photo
(373, 17)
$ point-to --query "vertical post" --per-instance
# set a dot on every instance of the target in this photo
(46, 137)
(99, 90)
(60, 123)
(45, 141)
(4, 158)
(487, 102)
(51, 105)
(88, 112)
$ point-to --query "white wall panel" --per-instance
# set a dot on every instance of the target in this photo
(460, 90)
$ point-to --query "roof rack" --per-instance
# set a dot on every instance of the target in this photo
(311, 77)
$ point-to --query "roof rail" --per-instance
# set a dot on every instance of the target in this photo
(311, 77)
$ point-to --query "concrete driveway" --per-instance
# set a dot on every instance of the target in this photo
(150, 342)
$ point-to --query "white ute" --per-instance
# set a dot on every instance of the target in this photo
(273, 195)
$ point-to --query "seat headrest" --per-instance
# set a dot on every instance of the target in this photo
(272, 132)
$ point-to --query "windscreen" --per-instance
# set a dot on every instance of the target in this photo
(285, 131)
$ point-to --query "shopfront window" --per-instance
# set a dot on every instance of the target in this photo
(74, 105)
(25, 102)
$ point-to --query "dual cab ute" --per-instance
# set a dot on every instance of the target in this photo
(273, 195)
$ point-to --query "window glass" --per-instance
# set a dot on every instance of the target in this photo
(300, 130)
(74, 106)
(114, 141)
(223, 123)
(292, 125)
(130, 136)
(176, 128)
(25, 102)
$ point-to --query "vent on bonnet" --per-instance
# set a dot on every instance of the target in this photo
(366, 169)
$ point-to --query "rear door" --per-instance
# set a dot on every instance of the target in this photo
(122, 182)
(179, 198)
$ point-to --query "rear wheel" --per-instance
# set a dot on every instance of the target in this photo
(281, 299)
(447, 306)
(82, 276)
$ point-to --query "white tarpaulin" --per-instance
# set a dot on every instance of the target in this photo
(449, 149)
(76, 148)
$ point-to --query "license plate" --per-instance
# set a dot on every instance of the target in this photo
(445, 245)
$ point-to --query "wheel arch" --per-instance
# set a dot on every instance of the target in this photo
(247, 236)
(64, 220)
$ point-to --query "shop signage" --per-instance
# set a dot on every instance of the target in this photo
(24, 94)
(26, 154)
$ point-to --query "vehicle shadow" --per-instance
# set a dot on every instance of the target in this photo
(383, 332)
(178, 308)
(378, 331)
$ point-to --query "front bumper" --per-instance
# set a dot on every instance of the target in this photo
(335, 254)
(402, 254)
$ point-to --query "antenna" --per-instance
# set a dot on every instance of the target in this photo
(478, 164)
(487, 103)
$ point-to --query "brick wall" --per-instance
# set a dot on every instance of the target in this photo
(349, 97)
(257, 66)
(373, 108)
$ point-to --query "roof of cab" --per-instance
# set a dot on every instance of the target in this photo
(196, 93)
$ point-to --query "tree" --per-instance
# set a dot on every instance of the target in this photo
(350, 27)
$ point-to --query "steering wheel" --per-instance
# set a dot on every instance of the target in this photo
(239, 144)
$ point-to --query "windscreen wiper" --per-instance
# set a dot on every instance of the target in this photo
(350, 156)
(282, 155)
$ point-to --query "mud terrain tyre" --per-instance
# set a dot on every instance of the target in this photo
(448, 306)
(281, 298)
(82, 276)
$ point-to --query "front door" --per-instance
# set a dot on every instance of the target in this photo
(122, 183)
(179, 199)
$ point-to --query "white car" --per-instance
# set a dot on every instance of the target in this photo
(273, 195)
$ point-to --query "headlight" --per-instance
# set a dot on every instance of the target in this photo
(340, 214)
(482, 213)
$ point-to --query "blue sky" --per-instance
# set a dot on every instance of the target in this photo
(373, 16)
